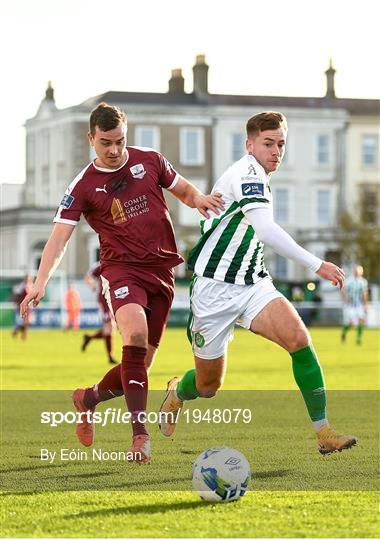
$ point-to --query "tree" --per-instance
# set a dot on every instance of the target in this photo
(360, 243)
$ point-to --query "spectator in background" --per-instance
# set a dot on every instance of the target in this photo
(73, 307)
(19, 292)
(355, 298)
(92, 278)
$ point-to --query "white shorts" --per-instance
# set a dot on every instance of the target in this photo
(352, 315)
(217, 306)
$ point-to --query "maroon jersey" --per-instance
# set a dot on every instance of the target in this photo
(95, 272)
(20, 291)
(127, 209)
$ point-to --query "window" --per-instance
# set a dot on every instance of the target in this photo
(281, 205)
(148, 136)
(190, 216)
(369, 204)
(61, 150)
(45, 147)
(323, 206)
(369, 150)
(192, 150)
(323, 149)
(237, 146)
(91, 153)
(280, 267)
(285, 157)
(31, 151)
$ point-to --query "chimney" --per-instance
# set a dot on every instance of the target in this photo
(177, 82)
(49, 93)
(200, 71)
(330, 75)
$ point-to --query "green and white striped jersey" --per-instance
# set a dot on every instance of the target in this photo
(355, 289)
(228, 249)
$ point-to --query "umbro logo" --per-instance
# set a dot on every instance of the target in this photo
(132, 381)
(101, 189)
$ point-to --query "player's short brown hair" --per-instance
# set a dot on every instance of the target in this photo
(266, 120)
(106, 117)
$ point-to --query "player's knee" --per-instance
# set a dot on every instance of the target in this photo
(299, 340)
(208, 389)
(138, 338)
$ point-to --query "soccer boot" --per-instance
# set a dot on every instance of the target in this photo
(330, 441)
(170, 409)
(84, 429)
(141, 449)
(86, 341)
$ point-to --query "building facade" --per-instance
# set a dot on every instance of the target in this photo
(331, 163)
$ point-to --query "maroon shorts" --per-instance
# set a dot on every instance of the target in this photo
(104, 310)
(153, 290)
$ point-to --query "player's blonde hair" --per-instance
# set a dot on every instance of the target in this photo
(266, 120)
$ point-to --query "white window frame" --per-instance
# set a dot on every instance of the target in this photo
(234, 134)
(91, 153)
(375, 138)
(276, 258)
(190, 217)
(31, 153)
(45, 147)
(155, 136)
(317, 150)
(332, 202)
(276, 189)
(183, 157)
(286, 159)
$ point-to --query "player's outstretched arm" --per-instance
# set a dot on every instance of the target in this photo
(192, 197)
(51, 256)
(272, 235)
(331, 272)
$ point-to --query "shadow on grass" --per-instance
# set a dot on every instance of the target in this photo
(271, 474)
(10, 367)
(32, 468)
(139, 509)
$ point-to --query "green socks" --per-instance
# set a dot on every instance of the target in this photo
(309, 377)
(345, 329)
(307, 373)
(186, 389)
(360, 330)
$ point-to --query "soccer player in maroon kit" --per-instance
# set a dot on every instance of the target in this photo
(93, 279)
(120, 195)
(19, 292)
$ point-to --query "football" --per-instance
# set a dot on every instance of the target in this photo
(221, 475)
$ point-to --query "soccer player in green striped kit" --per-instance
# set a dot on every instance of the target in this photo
(231, 285)
(355, 298)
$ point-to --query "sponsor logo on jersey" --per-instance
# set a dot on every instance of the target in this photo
(67, 201)
(138, 171)
(117, 211)
(251, 170)
(121, 292)
(252, 189)
(101, 189)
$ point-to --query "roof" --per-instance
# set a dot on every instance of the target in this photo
(354, 106)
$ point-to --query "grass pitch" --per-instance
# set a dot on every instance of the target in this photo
(295, 492)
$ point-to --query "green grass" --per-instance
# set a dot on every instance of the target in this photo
(295, 492)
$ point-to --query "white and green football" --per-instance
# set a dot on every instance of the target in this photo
(221, 474)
